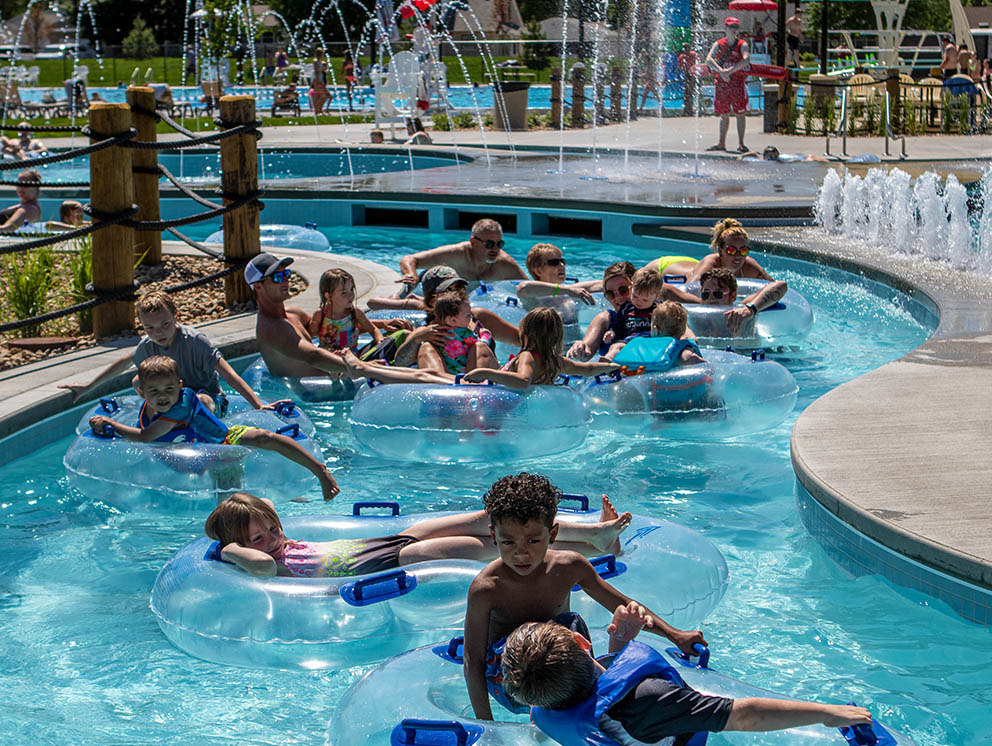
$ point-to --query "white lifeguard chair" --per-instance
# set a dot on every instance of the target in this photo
(404, 82)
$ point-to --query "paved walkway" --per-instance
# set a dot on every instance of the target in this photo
(669, 134)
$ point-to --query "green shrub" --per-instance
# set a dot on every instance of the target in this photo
(810, 111)
(80, 275)
(27, 277)
(487, 120)
(463, 120)
(791, 115)
(441, 122)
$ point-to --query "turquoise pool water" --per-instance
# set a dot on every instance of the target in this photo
(205, 165)
(86, 663)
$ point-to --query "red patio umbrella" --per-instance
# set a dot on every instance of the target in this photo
(407, 8)
(766, 6)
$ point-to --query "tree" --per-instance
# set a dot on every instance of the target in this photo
(140, 43)
(37, 27)
(535, 54)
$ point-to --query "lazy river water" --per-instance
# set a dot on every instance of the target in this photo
(86, 662)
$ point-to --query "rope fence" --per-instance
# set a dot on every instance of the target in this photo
(125, 218)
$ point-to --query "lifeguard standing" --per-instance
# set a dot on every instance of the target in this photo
(729, 57)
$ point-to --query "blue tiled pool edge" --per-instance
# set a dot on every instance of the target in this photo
(862, 555)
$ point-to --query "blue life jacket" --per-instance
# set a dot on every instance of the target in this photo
(654, 353)
(194, 422)
(579, 725)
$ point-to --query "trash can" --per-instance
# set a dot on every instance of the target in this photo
(514, 96)
(770, 91)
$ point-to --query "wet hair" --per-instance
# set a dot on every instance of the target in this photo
(157, 366)
(725, 229)
(66, 209)
(431, 302)
(722, 275)
(538, 255)
(544, 665)
(770, 153)
(153, 301)
(447, 304)
(648, 280)
(523, 497)
(29, 175)
(618, 269)
(485, 225)
(669, 319)
(229, 521)
(541, 333)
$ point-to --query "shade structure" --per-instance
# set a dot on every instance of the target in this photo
(766, 6)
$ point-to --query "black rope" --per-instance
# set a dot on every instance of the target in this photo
(186, 190)
(76, 153)
(40, 128)
(104, 297)
(105, 222)
(207, 278)
(50, 184)
(161, 225)
(200, 140)
(163, 117)
(196, 244)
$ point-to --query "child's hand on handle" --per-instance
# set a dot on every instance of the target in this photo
(685, 639)
(98, 423)
(627, 622)
(476, 376)
(275, 404)
(841, 716)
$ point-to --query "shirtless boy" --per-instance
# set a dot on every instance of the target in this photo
(480, 258)
(531, 582)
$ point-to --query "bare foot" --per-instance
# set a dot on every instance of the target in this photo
(352, 363)
(608, 513)
(607, 536)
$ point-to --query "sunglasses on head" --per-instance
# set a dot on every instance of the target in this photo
(718, 294)
(282, 275)
(490, 244)
(622, 290)
(556, 262)
(734, 250)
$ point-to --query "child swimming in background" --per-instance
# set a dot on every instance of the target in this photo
(169, 406)
(467, 344)
(540, 360)
(338, 322)
(251, 536)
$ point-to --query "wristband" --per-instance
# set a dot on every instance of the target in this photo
(557, 288)
(754, 310)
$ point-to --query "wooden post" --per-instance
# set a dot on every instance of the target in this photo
(578, 95)
(239, 177)
(784, 94)
(112, 192)
(895, 100)
(147, 244)
(555, 96)
(616, 93)
(599, 95)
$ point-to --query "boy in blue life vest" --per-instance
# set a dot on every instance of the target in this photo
(173, 412)
(632, 695)
(532, 582)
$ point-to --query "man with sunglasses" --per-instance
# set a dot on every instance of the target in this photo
(718, 287)
(480, 258)
(283, 339)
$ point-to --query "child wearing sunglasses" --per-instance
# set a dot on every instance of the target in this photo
(546, 265)
(730, 251)
(718, 287)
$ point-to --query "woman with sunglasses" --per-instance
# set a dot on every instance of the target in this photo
(730, 251)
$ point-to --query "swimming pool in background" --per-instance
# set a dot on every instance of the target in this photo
(86, 662)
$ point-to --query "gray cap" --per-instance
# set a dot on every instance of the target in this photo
(264, 265)
(438, 279)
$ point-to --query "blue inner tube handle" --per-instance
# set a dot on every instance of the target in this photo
(606, 566)
(512, 301)
(582, 500)
(571, 280)
(394, 507)
(675, 279)
(757, 356)
(287, 409)
(291, 430)
(701, 650)
(459, 734)
(379, 587)
(311, 226)
(106, 432)
(109, 405)
(867, 735)
(460, 376)
(614, 376)
(453, 651)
